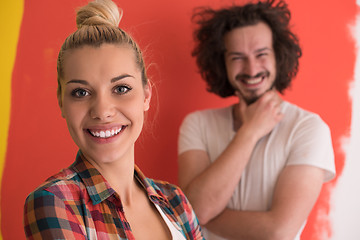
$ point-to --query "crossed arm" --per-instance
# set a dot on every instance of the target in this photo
(295, 194)
(209, 187)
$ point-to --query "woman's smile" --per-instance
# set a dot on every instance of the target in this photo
(105, 135)
(104, 100)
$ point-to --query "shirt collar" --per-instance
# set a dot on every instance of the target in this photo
(96, 185)
(99, 189)
(154, 192)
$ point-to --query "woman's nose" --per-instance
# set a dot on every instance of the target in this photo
(102, 108)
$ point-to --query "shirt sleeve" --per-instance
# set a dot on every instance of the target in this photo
(48, 217)
(190, 134)
(311, 145)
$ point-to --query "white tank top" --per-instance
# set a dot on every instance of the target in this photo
(175, 233)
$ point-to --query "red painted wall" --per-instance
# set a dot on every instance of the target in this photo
(39, 144)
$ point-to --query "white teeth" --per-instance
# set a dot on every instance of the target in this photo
(106, 133)
(254, 81)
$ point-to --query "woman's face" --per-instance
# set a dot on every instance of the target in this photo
(103, 101)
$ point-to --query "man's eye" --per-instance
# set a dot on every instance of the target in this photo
(122, 89)
(261, 54)
(238, 59)
(79, 93)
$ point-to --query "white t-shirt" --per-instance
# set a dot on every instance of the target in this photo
(301, 137)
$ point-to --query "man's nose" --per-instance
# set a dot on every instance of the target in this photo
(251, 67)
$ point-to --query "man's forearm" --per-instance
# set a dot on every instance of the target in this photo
(232, 224)
(295, 194)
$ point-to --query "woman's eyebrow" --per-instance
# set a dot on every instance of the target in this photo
(115, 79)
(78, 81)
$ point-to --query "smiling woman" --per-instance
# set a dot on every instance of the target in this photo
(103, 92)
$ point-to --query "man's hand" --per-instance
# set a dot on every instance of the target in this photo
(261, 116)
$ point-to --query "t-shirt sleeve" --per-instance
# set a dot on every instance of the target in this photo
(190, 134)
(311, 145)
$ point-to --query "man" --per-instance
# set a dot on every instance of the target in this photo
(252, 170)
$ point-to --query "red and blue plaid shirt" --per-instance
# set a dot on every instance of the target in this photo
(78, 203)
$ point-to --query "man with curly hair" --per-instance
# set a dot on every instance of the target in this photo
(252, 170)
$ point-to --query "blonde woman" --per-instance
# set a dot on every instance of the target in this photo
(103, 92)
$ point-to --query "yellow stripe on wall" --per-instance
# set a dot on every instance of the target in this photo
(11, 13)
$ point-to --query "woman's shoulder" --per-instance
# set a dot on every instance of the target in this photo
(171, 192)
(163, 186)
(65, 185)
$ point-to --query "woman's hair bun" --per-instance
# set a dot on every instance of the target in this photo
(99, 12)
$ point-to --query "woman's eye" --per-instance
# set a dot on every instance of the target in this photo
(122, 89)
(79, 93)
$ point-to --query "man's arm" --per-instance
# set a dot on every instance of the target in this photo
(210, 186)
(296, 192)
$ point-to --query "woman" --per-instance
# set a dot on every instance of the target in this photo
(103, 93)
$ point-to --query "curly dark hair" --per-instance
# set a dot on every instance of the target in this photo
(214, 24)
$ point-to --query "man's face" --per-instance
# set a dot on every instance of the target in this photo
(250, 60)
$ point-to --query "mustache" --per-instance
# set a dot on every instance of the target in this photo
(247, 76)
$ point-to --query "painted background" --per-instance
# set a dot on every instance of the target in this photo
(35, 143)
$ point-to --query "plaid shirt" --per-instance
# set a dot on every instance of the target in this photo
(78, 203)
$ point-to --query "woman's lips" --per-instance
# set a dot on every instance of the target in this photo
(106, 133)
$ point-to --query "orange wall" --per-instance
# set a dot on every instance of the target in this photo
(38, 143)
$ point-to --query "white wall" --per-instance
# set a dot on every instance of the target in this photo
(345, 204)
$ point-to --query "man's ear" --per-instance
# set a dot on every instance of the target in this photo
(147, 94)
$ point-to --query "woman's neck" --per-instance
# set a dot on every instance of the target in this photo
(120, 175)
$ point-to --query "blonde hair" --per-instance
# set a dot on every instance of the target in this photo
(98, 23)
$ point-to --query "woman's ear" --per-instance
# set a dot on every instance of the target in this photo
(60, 101)
(147, 96)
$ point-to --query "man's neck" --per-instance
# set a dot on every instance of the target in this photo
(236, 116)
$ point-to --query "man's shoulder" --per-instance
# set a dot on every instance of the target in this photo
(210, 113)
(297, 118)
(296, 112)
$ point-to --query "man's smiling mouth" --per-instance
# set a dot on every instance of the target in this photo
(106, 133)
(252, 80)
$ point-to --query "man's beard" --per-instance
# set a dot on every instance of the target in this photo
(253, 97)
